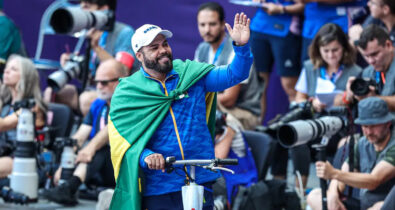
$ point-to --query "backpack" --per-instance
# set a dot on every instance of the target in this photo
(267, 195)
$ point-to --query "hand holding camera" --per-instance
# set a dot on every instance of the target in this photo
(360, 88)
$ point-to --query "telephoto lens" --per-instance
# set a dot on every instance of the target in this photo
(24, 176)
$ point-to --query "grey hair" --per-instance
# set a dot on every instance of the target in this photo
(29, 84)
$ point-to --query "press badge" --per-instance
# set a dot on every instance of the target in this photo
(341, 11)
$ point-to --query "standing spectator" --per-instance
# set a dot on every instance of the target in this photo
(275, 38)
(10, 39)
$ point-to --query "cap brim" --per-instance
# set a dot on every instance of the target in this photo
(376, 121)
(166, 33)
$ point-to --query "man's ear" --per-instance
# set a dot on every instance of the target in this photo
(139, 56)
(386, 9)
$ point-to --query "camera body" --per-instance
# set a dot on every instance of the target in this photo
(360, 86)
(299, 111)
(72, 69)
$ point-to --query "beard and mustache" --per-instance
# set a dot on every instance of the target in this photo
(155, 65)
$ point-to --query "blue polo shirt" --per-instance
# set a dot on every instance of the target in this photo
(190, 119)
(276, 25)
(318, 14)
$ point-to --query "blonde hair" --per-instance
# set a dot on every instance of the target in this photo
(28, 85)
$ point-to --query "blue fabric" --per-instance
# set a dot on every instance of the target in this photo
(277, 25)
(245, 172)
(190, 115)
(121, 42)
(94, 116)
(318, 14)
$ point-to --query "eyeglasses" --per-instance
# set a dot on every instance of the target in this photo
(105, 82)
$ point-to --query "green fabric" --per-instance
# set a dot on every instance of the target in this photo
(137, 109)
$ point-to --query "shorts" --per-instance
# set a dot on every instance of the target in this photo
(284, 52)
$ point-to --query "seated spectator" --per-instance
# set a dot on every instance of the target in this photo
(230, 143)
(376, 47)
(276, 41)
(374, 161)
(241, 100)
(21, 81)
(94, 161)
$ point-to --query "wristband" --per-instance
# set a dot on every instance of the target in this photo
(345, 101)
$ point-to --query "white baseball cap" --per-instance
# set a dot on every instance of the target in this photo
(146, 34)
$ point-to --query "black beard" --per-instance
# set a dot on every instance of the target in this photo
(216, 39)
(161, 68)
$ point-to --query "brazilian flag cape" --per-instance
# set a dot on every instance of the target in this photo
(138, 106)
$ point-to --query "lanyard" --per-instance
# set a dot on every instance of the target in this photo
(380, 77)
(103, 117)
(219, 50)
(332, 77)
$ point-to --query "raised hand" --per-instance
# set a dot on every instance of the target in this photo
(240, 33)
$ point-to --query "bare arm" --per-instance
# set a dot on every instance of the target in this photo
(222, 148)
(229, 97)
(82, 134)
(100, 139)
(301, 97)
(86, 154)
(390, 100)
(294, 9)
(9, 122)
(381, 173)
(100, 52)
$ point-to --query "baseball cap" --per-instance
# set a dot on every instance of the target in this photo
(146, 34)
(373, 111)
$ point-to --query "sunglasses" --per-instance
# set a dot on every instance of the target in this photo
(105, 82)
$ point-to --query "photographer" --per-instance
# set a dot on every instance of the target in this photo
(21, 81)
(230, 143)
(94, 166)
(374, 159)
(105, 45)
(376, 47)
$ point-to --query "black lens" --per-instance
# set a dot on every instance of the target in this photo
(360, 87)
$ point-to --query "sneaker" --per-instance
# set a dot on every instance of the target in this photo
(62, 195)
